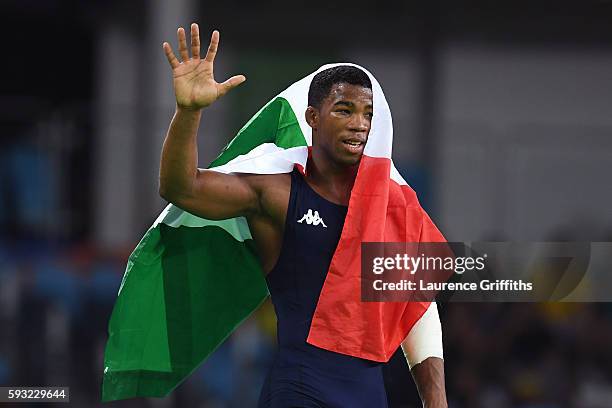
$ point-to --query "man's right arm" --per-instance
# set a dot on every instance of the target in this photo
(205, 193)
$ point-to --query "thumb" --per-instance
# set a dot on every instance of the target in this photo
(231, 83)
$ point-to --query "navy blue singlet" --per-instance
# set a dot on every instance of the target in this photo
(303, 375)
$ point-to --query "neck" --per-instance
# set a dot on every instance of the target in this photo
(335, 181)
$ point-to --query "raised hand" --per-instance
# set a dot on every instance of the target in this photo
(194, 83)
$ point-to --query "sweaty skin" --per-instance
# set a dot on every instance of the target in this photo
(340, 128)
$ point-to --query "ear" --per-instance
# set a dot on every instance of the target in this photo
(312, 117)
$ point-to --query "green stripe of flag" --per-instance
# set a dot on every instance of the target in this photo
(274, 123)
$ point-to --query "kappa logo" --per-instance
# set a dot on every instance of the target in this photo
(312, 219)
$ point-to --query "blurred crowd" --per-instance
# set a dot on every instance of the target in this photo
(529, 355)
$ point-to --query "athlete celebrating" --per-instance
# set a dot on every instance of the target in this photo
(284, 211)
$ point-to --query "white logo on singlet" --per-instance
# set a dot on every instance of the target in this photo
(312, 219)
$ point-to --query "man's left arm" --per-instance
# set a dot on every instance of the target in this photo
(429, 379)
(423, 350)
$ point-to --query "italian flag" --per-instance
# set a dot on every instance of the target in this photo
(190, 281)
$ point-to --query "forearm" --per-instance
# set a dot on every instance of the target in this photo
(179, 159)
(424, 355)
(429, 379)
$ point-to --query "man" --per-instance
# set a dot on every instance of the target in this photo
(340, 115)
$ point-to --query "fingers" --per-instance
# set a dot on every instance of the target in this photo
(170, 55)
(182, 43)
(195, 47)
(231, 83)
(212, 48)
(195, 41)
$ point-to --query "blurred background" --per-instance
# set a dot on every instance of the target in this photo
(503, 125)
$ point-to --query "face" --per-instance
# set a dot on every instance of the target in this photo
(342, 123)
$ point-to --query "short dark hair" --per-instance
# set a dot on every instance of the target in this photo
(323, 82)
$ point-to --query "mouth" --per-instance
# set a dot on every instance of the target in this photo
(353, 145)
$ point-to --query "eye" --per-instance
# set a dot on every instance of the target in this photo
(369, 115)
(344, 111)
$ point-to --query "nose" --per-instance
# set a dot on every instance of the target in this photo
(359, 123)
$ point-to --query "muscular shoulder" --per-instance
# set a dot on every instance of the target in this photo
(273, 191)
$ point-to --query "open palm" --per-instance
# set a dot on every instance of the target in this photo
(194, 83)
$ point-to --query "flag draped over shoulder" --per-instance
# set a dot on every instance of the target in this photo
(190, 282)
